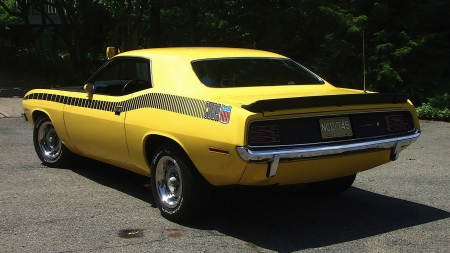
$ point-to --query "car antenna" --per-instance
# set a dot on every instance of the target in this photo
(364, 64)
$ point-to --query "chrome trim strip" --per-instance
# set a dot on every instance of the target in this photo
(321, 151)
(396, 151)
(273, 166)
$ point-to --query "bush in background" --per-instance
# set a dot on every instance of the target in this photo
(44, 64)
(437, 108)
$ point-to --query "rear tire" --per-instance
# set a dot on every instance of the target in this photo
(332, 186)
(180, 192)
(49, 148)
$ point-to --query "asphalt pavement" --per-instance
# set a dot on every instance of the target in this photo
(403, 206)
(10, 107)
(13, 86)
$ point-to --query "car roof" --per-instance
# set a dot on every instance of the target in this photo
(197, 53)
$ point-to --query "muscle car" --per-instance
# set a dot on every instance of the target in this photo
(194, 118)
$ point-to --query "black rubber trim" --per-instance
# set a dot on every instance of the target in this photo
(322, 101)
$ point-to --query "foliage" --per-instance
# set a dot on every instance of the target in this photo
(6, 18)
(437, 108)
(46, 64)
(402, 52)
(127, 16)
(426, 111)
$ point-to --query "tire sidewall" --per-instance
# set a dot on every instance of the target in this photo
(180, 211)
(49, 162)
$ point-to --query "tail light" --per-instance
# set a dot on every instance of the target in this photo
(264, 134)
(396, 122)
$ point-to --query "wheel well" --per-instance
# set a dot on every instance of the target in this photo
(37, 114)
(154, 141)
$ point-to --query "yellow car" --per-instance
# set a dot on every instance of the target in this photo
(193, 118)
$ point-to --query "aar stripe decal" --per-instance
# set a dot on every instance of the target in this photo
(178, 104)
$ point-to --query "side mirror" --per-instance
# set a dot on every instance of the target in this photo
(89, 88)
(111, 52)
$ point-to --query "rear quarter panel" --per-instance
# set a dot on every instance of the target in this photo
(183, 120)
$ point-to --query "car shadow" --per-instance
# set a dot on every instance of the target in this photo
(289, 218)
(113, 177)
(283, 218)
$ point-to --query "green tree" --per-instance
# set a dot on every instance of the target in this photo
(5, 17)
(127, 16)
(403, 53)
(17, 12)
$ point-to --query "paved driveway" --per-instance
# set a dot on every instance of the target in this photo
(403, 206)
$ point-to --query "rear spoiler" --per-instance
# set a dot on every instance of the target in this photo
(322, 101)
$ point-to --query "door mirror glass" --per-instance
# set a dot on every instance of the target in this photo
(89, 88)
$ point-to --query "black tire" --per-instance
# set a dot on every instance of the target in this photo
(49, 148)
(179, 191)
(332, 186)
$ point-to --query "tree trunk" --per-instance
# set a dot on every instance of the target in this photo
(155, 24)
(194, 25)
(131, 41)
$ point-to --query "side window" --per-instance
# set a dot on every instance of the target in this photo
(123, 76)
(143, 71)
(109, 73)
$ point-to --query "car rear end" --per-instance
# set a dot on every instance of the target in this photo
(298, 128)
(302, 129)
(318, 138)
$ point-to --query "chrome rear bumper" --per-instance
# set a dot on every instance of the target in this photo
(275, 155)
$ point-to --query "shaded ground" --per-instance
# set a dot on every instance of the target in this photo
(16, 84)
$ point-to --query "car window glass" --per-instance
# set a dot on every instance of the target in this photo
(245, 72)
(112, 79)
(125, 70)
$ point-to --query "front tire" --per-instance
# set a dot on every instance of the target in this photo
(332, 186)
(178, 189)
(49, 148)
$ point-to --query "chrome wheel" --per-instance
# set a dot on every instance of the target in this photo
(178, 189)
(169, 182)
(49, 148)
(48, 141)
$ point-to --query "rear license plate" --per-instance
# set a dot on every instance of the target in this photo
(335, 127)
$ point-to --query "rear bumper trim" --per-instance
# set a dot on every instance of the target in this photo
(394, 143)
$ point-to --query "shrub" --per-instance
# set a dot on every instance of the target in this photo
(437, 108)
(45, 64)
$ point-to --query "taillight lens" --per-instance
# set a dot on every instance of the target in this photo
(396, 122)
(264, 134)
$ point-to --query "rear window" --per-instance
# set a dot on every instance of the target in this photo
(246, 72)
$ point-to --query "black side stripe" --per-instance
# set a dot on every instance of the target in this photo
(177, 104)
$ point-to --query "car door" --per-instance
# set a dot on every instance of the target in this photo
(95, 125)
